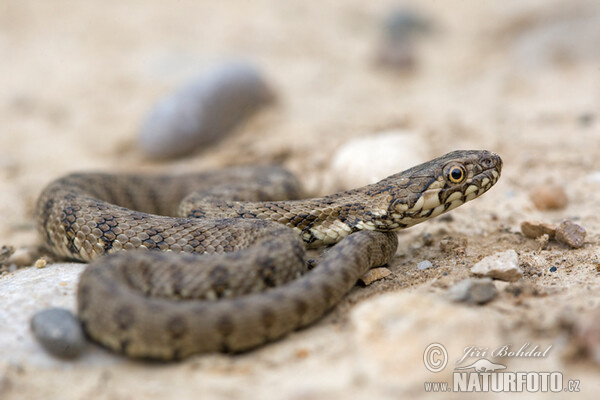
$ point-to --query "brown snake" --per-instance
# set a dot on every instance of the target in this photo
(155, 305)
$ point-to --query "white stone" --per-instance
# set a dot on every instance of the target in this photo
(424, 265)
(369, 159)
(504, 266)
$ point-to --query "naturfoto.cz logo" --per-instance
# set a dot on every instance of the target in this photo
(483, 375)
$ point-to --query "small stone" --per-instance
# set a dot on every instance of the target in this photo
(503, 266)
(474, 291)
(403, 23)
(204, 110)
(553, 269)
(549, 197)
(369, 159)
(424, 265)
(570, 233)
(302, 353)
(374, 274)
(40, 263)
(397, 47)
(586, 119)
(59, 332)
(594, 177)
(427, 239)
(535, 229)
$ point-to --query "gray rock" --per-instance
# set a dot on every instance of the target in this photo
(59, 332)
(504, 266)
(401, 29)
(204, 110)
(404, 23)
(474, 291)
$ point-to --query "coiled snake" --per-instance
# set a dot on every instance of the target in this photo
(156, 305)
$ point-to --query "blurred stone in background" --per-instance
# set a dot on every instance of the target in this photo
(204, 110)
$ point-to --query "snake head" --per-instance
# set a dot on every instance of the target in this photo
(440, 185)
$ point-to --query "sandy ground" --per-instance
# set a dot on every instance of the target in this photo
(518, 78)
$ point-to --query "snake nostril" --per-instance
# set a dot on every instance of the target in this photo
(493, 161)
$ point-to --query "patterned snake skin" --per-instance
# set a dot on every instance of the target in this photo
(150, 304)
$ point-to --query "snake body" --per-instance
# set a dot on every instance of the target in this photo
(151, 304)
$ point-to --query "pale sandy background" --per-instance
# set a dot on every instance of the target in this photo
(518, 78)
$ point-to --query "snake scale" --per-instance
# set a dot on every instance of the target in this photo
(230, 273)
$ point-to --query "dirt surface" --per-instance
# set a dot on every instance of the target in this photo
(518, 78)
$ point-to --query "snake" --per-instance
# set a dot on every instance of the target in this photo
(217, 262)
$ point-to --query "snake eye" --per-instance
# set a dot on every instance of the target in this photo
(456, 174)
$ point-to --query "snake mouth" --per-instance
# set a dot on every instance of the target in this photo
(491, 168)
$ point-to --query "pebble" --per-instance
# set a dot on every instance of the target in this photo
(366, 160)
(570, 234)
(473, 291)
(401, 28)
(543, 241)
(535, 229)
(404, 23)
(549, 197)
(586, 119)
(503, 266)
(374, 274)
(424, 265)
(40, 263)
(553, 269)
(594, 177)
(427, 239)
(204, 110)
(59, 332)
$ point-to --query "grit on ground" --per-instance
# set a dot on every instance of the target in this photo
(518, 78)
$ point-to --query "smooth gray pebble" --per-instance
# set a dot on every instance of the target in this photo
(59, 332)
(474, 291)
(424, 265)
(204, 110)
